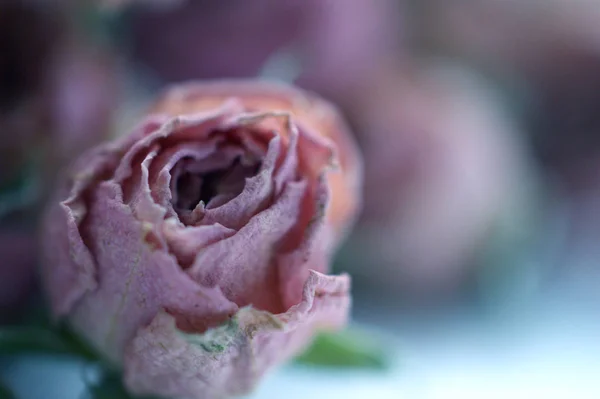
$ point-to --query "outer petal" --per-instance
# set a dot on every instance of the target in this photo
(68, 264)
(307, 245)
(229, 360)
(136, 279)
(316, 116)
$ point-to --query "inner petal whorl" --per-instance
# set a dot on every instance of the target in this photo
(213, 187)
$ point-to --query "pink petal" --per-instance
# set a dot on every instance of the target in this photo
(185, 242)
(254, 197)
(242, 265)
(229, 360)
(136, 280)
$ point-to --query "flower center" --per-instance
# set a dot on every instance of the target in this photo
(211, 188)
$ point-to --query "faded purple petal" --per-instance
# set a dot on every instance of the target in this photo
(236, 354)
(136, 280)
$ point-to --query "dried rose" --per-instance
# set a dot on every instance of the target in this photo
(191, 251)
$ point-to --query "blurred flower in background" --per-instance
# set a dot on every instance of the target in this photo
(28, 37)
(327, 46)
(56, 94)
(445, 168)
(548, 50)
(83, 94)
(546, 56)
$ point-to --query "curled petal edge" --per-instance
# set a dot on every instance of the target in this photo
(229, 360)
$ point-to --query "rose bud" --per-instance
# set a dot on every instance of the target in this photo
(192, 251)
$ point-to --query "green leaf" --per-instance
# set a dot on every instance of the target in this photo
(346, 349)
(19, 340)
(5, 392)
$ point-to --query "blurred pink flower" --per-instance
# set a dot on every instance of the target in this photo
(443, 167)
(550, 52)
(55, 100)
(82, 94)
(547, 50)
(191, 251)
(326, 45)
(513, 36)
(28, 37)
